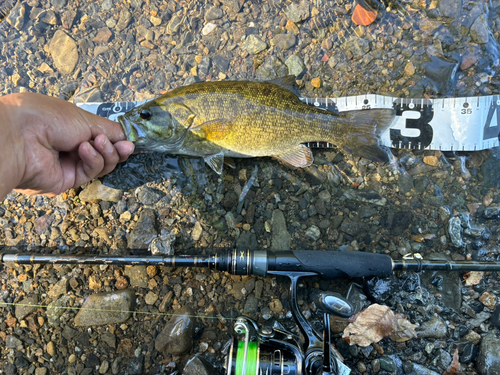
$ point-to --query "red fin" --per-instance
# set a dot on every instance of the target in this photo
(362, 16)
(300, 156)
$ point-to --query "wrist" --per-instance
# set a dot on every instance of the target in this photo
(12, 152)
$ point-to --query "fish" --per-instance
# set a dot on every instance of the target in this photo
(241, 119)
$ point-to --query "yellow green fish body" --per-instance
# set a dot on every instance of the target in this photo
(249, 119)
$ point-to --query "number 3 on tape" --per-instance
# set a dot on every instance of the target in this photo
(406, 138)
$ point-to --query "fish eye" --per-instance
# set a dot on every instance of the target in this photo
(145, 114)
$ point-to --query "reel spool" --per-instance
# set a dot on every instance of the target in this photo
(263, 351)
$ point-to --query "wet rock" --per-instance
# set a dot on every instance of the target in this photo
(123, 20)
(442, 359)
(64, 52)
(433, 328)
(208, 28)
(251, 304)
(106, 308)
(297, 12)
(295, 65)
(271, 69)
(356, 46)
(416, 369)
(450, 8)
(253, 44)
(97, 191)
(479, 30)
(137, 275)
(492, 211)
(213, 14)
(16, 15)
(387, 364)
(400, 222)
(177, 336)
(455, 231)
(488, 360)
(440, 73)
(59, 288)
(148, 196)
(103, 35)
(284, 41)
(468, 61)
(447, 284)
(26, 306)
(495, 317)
(313, 232)
(144, 231)
(135, 366)
(281, 238)
(197, 365)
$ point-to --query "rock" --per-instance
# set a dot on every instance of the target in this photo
(197, 231)
(103, 35)
(123, 20)
(450, 8)
(271, 69)
(144, 230)
(495, 317)
(247, 241)
(213, 14)
(468, 61)
(416, 369)
(221, 63)
(357, 46)
(488, 359)
(253, 44)
(251, 304)
(208, 28)
(16, 15)
(97, 191)
(284, 41)
(313, 233)
(12, 342)
(387, 364)
(455, 231)
(51, 349)
(67, 18)
(433, 328)
(297, 12)
(177, 336)
(489, 300)
(205, 65)
(151, 298)
(106, 308)
(49, 17)
(295, 65)
(316, 82)
(479, 30)
(56, 309)
(64, 52)
(26, 306)
(59, 288)
(281, 239)
(196, 365)
(148, 196)
(473, 337)
(137, 275)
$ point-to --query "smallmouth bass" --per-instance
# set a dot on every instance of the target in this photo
(250, 119)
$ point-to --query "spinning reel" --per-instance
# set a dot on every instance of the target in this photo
(271, 351)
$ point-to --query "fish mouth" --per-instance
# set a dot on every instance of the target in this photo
(128, 128)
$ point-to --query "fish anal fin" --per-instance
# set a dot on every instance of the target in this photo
(299, 156)
(215, 161)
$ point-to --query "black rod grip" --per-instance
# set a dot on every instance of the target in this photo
(337, 264)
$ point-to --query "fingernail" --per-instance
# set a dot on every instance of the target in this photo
(108, 146)
(91, 149)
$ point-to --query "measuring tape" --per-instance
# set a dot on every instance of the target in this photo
(452, 124)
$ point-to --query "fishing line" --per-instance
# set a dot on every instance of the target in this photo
(5, 304)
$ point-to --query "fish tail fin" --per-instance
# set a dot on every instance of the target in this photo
(367, 126)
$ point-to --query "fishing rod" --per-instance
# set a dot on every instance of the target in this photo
(272, 351)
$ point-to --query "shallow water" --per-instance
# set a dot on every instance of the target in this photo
(136, 50)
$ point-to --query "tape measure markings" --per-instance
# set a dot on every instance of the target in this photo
(446, 124)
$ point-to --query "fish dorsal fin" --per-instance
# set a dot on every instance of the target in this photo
(300, 156)
(287, 82)
(215, 161)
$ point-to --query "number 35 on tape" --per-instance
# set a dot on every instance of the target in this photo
(451, 124)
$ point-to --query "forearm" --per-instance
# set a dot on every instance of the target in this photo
(11, 148)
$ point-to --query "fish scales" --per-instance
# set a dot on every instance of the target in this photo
(249, 119)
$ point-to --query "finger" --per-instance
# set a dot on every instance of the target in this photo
(108, 152)
(125, 149)
(91, 164)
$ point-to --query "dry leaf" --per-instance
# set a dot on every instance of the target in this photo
(455, 368)
(376, 322)
(473, 277)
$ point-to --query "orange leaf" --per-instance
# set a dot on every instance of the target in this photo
(455, 368)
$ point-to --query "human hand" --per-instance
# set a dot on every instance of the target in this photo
(60, 146)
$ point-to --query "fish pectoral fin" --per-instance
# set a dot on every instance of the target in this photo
(299, 156)
(215, 161)
(213, 130)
